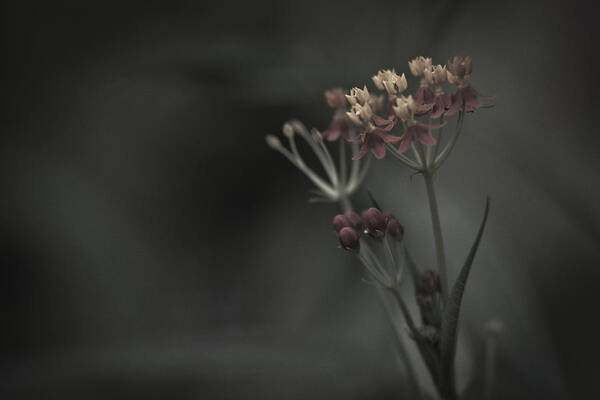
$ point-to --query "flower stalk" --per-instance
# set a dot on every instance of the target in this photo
(367, 122)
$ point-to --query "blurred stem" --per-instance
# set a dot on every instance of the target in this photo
(345, 204)
(437, 233)
(410, 369)
(342, 156)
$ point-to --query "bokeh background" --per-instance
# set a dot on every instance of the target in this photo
(154, 247)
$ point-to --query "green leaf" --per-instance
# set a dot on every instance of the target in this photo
(452, 311)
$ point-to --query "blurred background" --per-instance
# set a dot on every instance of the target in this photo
(154, 247)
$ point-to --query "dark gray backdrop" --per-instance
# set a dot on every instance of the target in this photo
(153, 247)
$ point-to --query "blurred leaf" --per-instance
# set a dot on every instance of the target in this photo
(452, 310)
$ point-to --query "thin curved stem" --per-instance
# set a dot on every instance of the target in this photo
(407, 161)
(450, 145)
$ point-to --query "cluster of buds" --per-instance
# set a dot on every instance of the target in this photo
(429, 299)
(375, 230)
(360, 112)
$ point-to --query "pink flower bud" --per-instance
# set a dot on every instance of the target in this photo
(430, 282)
(355, 221)
(340, 221)
(349, 238)
(395, 229)
(335, 98)
(374, 220)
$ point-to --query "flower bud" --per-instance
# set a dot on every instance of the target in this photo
(390, 81)
(460, 68)
(358, 96)
(419, 65)
(436, 75)
(355, 221)
(374, 221)
(395, 229)
(335, 98)
(360, 114)
(273, 141)
(288, 130)
(349, 238)
(430, 281)
(316, 135)
(341, 221)
(405, 107)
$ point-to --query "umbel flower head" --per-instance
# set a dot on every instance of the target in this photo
(363, 235)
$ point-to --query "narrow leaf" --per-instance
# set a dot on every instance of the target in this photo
(452, 309)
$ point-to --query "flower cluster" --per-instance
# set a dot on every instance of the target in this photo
(430, 100)
(375, 229)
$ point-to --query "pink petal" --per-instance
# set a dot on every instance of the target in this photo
(363, 150)
(385, 136)
(423, 135)
(380, 121)
(378, 149)
(406, 141)
(426, 138)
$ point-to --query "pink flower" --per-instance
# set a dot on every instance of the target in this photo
(335, 98)
(441, 102)
(417, 131)
(339, 126)
(424, 95)
(466, 99)
(375, 141)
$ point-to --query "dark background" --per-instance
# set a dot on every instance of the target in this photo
(154, 247)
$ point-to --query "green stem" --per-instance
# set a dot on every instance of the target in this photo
(437, 233)
(345, 204)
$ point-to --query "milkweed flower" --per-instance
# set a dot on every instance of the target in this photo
(389, 80)
(362, 115)
(424, 95)
(339, 125)
(437, 76)
(466, 98)
(405, 110)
